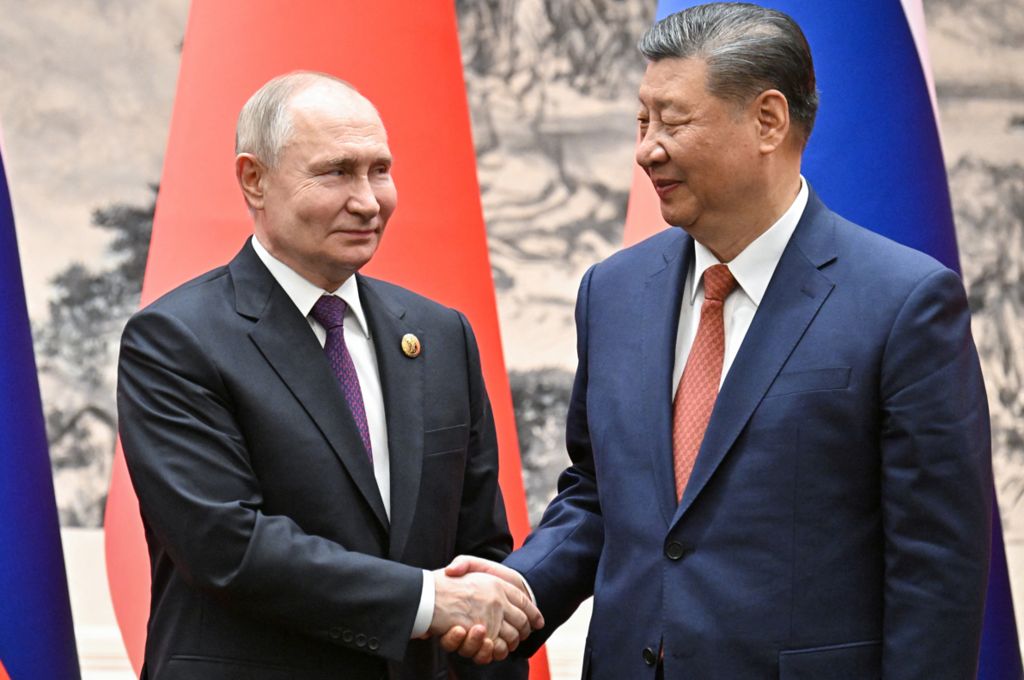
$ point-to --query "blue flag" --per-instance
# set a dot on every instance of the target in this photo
(37, 639)
(875, 158)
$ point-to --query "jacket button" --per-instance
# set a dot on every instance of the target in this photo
(334, 633)
(360, 640)
(675, 551)
(373, 644)
(347, 636)
(650, 656)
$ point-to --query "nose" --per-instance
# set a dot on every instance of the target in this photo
(649, 151)
(363, 201)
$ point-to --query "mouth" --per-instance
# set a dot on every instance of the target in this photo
(358, 232)
(664, 187)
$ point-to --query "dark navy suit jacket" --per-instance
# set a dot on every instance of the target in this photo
(836, 524)
(272, 555)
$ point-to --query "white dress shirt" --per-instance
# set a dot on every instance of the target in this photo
(753, 269)
(360, 347)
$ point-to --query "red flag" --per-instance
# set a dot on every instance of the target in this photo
(643, 215)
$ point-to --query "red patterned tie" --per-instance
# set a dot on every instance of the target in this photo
(329, 311)
(698, 387)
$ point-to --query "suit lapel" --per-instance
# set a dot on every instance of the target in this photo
(402, 384)
(662, 296)
(796, 292)
(285, 339)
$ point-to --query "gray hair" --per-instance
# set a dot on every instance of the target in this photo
(748, 49)
(265, 122)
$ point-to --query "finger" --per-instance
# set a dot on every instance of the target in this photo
(515, 618)
(454, 638)
(510, 635)
(523, 614)
(465, 564)
(532, 613)
(475, 640)
(500, 650)
(458, 567)
(486, 653)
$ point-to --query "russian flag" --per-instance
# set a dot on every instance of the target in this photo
(37, 639)
(875, 158)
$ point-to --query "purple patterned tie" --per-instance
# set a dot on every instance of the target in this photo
(329, 311)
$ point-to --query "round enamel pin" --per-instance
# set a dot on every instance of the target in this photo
(411, 345)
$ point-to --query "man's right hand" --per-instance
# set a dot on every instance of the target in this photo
(481, 616)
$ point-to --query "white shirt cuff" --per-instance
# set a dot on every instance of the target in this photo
(425, 613)
(529, 590)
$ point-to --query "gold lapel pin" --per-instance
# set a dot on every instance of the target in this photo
(411, 345)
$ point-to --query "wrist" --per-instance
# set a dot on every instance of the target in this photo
(425, 610)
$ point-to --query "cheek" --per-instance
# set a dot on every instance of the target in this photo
(387, 198)
(318, 208)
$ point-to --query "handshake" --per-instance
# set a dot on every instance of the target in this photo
(482, 610)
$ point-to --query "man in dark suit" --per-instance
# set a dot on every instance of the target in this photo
(778, 428)
(309, 445)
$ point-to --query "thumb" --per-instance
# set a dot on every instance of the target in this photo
(460, 566)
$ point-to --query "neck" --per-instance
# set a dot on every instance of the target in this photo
(327, 283)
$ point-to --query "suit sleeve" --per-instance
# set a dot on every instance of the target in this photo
(936, 486)
(559, 559)
(202, 503)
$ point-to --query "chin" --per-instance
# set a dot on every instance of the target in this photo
(675, 218)
(353, 261)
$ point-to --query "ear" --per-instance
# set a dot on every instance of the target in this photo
(251, 174)
(772, 112)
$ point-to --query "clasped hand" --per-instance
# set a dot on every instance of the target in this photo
(482, 609)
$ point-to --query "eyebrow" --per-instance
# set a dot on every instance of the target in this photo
(665, 105)
(657, 103)
(348, 164)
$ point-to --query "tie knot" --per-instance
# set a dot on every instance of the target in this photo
(329, 311)
(718, 282)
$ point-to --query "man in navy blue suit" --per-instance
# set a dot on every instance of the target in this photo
(778, 428)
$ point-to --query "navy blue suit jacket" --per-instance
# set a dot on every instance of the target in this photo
(836, 524)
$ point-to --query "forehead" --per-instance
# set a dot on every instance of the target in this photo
(673, 81)
(323, 114)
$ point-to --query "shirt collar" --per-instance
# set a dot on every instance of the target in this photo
(753, 268)
(305, 294)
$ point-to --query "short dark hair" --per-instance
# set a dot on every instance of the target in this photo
(748, 49)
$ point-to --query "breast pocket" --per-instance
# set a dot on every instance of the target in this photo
(445, 439)
(850, 661)
(813, 380)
